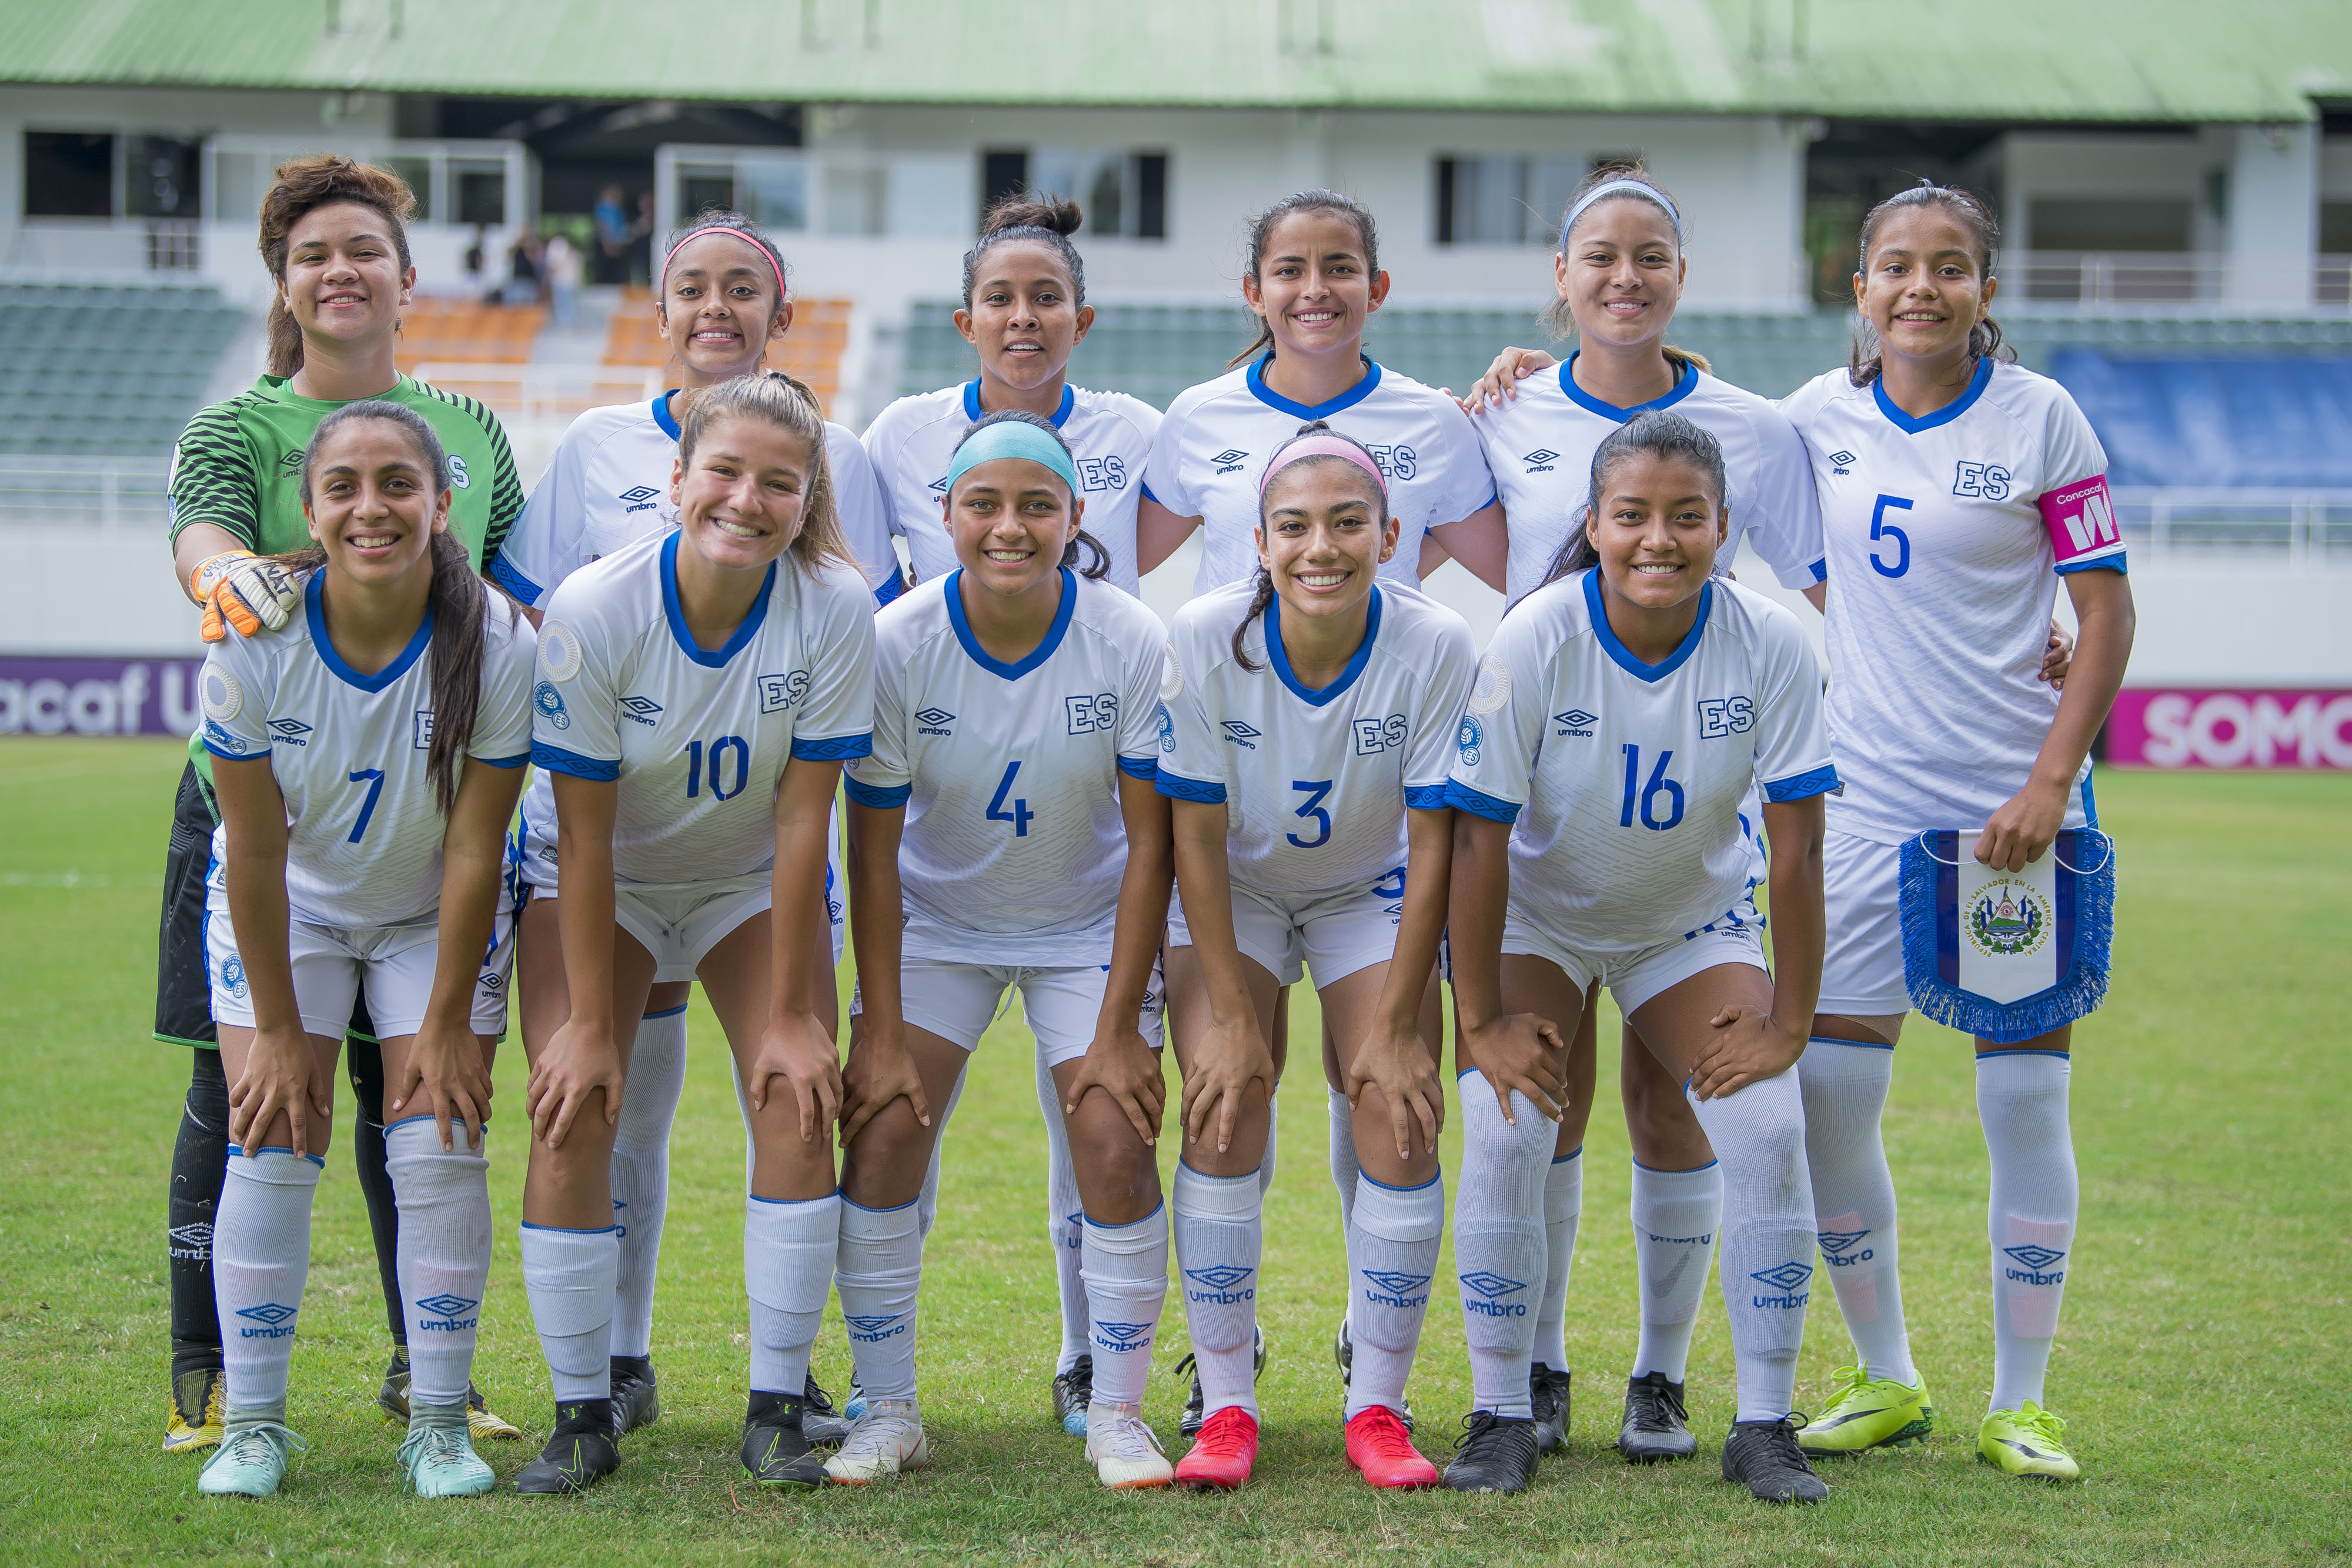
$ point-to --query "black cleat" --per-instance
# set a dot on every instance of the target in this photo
(1195, 1404)
(775, 1446)
(1343, 1356)
(821, 1423)
(1494, 1453)
(1548, 1392)
(1655, 1429)
(1764, 1455)
(637, 1398)
(579, 1454)
(1073, 1391)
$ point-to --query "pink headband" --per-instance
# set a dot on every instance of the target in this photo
(723, 229)
(1322, 445)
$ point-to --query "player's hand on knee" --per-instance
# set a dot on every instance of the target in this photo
(1123, 1066)
(1521, 1051)
(795, 1048)
(879, 1070)
(242, 590)
(1748, 1046)
(1501, 383)
(446, 1061)
(1393, 1057)
(1232, 1056)
(2024, 829)
(281, 1075)
(577, 1061)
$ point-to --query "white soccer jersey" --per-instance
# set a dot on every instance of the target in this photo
(912, 441)
(1624, 779)
(1317, 783)
(1218, 437)
(1540, 446)
(699, 738)
(1946, 538)
(1014, 845)
(608, 486)
(349, 753)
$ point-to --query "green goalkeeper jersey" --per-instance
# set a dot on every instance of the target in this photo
(239, 467)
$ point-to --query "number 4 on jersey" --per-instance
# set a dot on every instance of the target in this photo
(1020, 816)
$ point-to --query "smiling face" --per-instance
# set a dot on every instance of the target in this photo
(1924, 284)
(1025, 317)
(1315, 286)
(1322, 538)
(719, 309)
(1011, 521)
(344, 282)
(741, 498)
(373, 505)
(1657, 528)
(1620, 273)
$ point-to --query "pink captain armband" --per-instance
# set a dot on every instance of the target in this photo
(2081, 518)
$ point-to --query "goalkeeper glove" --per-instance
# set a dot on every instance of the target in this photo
(242, 590)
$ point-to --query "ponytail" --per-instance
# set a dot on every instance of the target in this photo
(1259, 599)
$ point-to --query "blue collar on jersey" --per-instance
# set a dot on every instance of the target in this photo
(1349, 399)
(710, 659)
(1281, 656)
(1624, 655)
(974, 412)
(1944, 416)
(315, 608)
(1585, 400)
(1044, 650)
(662, 415)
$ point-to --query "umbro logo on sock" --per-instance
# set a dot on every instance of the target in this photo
(446, 1313)
(193, 1241)
(2037, 1266)
(1838, 1247)
(1785, 1277)
(1490, 1286)
(276, 1319)
(1120, 1338)
(868, 1330)
(1217, 1284)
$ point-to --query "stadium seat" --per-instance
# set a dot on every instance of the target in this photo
(106, 370)
(810, 351)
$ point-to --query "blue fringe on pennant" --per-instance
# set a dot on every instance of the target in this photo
(2077, 994)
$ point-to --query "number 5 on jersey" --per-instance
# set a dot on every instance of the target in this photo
(1020, 816)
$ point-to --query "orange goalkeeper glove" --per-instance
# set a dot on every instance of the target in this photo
(242, 590)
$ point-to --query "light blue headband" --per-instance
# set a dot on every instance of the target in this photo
(1012, 438)
(1603, 191)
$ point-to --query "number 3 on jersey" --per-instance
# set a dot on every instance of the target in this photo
(1317, 791)
(1020, 816)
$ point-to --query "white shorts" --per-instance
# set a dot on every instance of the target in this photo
(680, 925)
(1332, 933)
(331, 963)
(1861, 965)
(959, 1002)
(1634, 976)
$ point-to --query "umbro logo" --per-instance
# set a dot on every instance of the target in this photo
(641, 497)
(2034, 1257)
(1228, 460)
(1491, 1285)
(1121, 1338)
(867, 1329)
(1840, 462)
(289, 730)
(1576, 721)
(1786, 1276)
(1221, 1276)
(640, 709)
(269, 1312)
(193, 1240)
(291, 462)
(934, 721)
(446, 1305)
(1242, 734)
(940, 484)
(1389, 1280)
(1841, 1240)
(1541, 460)
(866, 1324)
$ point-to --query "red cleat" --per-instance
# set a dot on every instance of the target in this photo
(1379, 1445)
(1221, 1455)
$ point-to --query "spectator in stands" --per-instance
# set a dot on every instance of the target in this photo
(522, 272)
(641, 241)
(560, 264)
(614, 231)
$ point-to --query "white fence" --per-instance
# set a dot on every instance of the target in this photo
(2160, 277)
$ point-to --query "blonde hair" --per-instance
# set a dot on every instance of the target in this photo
(779, 399)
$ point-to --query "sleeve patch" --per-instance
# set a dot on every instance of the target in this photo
(1145, 767)
(880, 798)
(1424, 796)
(833, 749)
(2081, 518)
(1804, 786)
(1176, 787)
(1463, 798)
(1492, 686)
(503, 573)
(555, 759)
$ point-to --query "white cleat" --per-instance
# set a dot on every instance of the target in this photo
(250, 1460)
(1124, 1452)
(887, 1438)
(440, 1461)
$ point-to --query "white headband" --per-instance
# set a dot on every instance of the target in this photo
(1620, 188)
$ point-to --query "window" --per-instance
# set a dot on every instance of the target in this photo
(417, 173)
(2109, 224)
(481, 187)
(2336, 228)
(1506, 200)
(159, 177)
(1121, 192)
(68, 175)
(701, 186)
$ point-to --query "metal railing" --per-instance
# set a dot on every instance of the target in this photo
(98, 492)
(2156, 278)
(2310, 527)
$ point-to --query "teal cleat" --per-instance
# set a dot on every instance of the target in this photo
(437, 1455)
(250, 1460)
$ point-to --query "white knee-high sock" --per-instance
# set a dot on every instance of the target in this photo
(568, 1275)
(1391, 1259)
(789, 1245)
(1344, 1168)
(1066, 1222)
(641, 1172)
(879, 1271)
(261, 1258)
(1759, 1135)
(444, 1258)
(1499, 1252)
(1845, 1088)
(927, 1206)
(1127, 1283)
(1675, 1217)
(2021, 1100)
(1563, 1208)
(1220, 1234)
(1266, 1166)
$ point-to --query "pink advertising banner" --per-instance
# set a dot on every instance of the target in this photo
(2242, 728)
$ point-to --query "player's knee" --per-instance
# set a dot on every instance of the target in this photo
(1117, 1173)
(885, 1166)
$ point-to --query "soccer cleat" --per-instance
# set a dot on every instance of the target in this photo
(1124, 1452)
(250, 1460)
(1343, 1355)
(483, 1424)
(438, 1459)
(1494, 1453)
(1548, 1392)
(1655, 1428)
(1868, 1412)
(857, 1406)
(636, 1396)
(195, 1421)
(1221, 1455)
(1378, 1445)
(821, 1423)
(1073, 1391)
(580, 1452)
(1763, 1456)
(2027, 1442)
(1196, 1403)
(887, 1438)
(775, 1442)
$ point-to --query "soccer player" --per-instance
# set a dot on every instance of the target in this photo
(366, 757)
(1005, 832)
(698, 692)
(333, 238)
(1958, 491)
(1619, 718)
(1024, 309)
(720, 302)
(1306, 724)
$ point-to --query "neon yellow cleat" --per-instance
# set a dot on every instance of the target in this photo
(194, 1422)
(1868, 1412)
(2027, 1443)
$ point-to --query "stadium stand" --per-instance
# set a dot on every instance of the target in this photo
(90, 370)
(812, 350)
(435, 330)
(2266, 421)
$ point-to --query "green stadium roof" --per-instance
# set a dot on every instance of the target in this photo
(2072, 60)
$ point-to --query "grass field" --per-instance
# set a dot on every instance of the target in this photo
(2203, 1360)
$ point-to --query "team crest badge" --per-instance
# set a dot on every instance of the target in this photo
(2009, 918)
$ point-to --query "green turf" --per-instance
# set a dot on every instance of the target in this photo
(2203, 1360)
